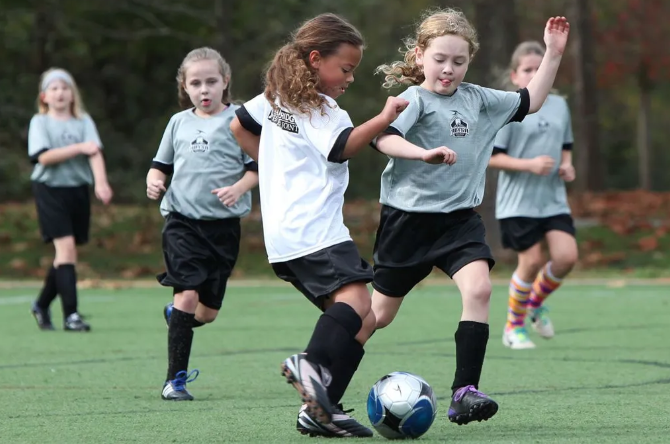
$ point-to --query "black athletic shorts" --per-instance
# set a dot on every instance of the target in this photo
(409, 245)
(521, 233)
(200, 255)
(63, 211)
(319, 274)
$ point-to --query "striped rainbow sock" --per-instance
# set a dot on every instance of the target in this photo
(519, 291)
(544, 285)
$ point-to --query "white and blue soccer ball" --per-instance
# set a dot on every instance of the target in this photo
(401, 405)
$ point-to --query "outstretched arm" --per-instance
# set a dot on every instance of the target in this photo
(556, 38)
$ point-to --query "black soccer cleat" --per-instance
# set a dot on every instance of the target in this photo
(75, 323)
(175, 390)
(342, 425)
(310, 381)
(469, 404)
(43, 317)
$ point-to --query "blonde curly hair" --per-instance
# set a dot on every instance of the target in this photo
(290, 79)
(435, 23)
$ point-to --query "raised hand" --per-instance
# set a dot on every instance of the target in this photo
(394, 106)
(556, 34)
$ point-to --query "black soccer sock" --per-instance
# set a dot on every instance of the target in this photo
(66, 283)
(471, 338)
(180, 339)
(334, 347)
(197, 323)
(49, 290)
(343, 370)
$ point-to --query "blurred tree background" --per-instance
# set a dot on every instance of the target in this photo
(124, 54)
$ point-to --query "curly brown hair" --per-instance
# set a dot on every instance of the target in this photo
(435, 23)
(290, 79)
(196, 55)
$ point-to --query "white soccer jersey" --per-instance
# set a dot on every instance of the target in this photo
(302, 176)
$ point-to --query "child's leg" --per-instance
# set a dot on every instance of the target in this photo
(341, 337)
(66, 282)
(563, 253)
(180, 332)
(385, 308)
(468, 404)
(41, 307)
(49, 290)
(529, 264)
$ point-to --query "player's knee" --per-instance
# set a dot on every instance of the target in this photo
(206, 317)
(533, 264)
(478, 291)
(186, 300)
(564, 261)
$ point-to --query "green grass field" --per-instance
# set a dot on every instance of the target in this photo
(605, 377)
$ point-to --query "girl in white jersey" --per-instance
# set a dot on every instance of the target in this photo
(535, 157)
(208, 194)
(302, 140)
(427, 217)
(65, 148)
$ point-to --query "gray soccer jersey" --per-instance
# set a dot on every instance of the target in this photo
(466, 122)
(202, 155)
(46, 133)
(547, 132)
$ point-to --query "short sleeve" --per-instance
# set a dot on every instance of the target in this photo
(504, 107)
(408, 118)
(329, 133)
(164, 159)
(251, 114)
(38, 138)
(91, 131)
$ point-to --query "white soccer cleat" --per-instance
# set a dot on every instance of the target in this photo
(541, 322)
(517, 339)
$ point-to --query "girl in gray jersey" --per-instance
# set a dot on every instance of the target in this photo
(65, 149)
(427, 218)
(535, 157)
(208, 194)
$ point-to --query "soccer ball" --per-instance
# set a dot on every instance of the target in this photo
(401, 405)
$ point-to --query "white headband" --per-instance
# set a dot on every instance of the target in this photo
(57, 74)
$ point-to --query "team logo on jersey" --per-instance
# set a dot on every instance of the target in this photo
(459, 127)
(284, 120)
(200, 144)
(68, 138)
(543, 124)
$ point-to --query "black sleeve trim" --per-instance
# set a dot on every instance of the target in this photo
(524, 106)
(34, 159)
(337, 150)
(390, 130)
(251, 166)
(162, 167)
(567, 147)
(248, 122)
(498, 150)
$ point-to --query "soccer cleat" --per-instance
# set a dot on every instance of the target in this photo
(517, 338)
(43, 317)
(343, 425)
(469, 404)
(541, 322)
(310, 381)
(175, 390)
(167, 312)
(74, 323)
